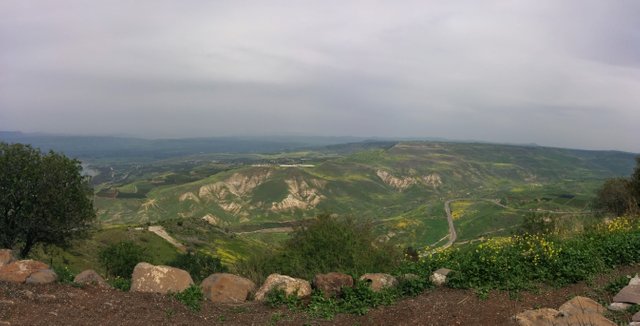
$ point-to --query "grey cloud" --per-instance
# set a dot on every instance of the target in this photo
(555, 73)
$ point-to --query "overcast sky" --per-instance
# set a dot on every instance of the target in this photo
(557, 73)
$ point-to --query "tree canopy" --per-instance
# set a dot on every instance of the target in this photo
(620, 196)
(44, 199)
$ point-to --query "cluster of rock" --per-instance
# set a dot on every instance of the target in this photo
(24, 271)
(218, 287)
(584, 311)
(628, 297)
(577, 311)
(229, 288)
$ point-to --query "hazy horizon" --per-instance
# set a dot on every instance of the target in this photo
(561, 74)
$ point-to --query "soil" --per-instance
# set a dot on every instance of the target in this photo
(60, 304)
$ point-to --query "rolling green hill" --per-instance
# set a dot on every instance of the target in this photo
(401, 187)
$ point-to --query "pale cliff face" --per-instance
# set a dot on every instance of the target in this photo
(402, 183)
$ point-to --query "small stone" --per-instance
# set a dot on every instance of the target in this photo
(635, 280)
(44, 276)
(227, 288)
(291, 286)
(439, 277)
(331, 284)
(379, 281)
(159, 279)
(636, 317)
(47, 297)
(28, 294)
(619, 306)
(6, 302)
(90, 277)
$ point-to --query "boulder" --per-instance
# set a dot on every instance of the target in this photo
(379, 281)
(6, 256)
(439, 277)
(90, 277)
(43, 276)
(636, 317)
(635, 280)
(19, 271)
(290, 285)
(227, 288)
(577, 311)
(581, 305)
(628, 294)
(159, 279)
(331, 284)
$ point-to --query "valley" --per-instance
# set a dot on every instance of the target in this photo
(232, 204)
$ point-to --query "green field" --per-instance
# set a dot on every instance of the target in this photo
(399, 187)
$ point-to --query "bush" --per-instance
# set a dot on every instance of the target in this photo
(119, 259)
(191, 297)
(327, 244)
(198, 264)
(354, 300)
(122, 284)
(64, 274)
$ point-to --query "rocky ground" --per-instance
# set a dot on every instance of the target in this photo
(58, 304)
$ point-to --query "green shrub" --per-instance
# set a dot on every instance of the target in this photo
(119, 259)
(122, 284)
(326, 244)
(614, 286)
(198, 264)
(521, 261)
(191, 297)
(64, 274)
(360, 298)
(354, 300)
(278, 297)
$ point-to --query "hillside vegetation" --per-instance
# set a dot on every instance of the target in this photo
(401, 187)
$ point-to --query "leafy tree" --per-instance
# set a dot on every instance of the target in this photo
(44, 198)
(635, 181)
(536, 223)
(119, 259)
(616, 197)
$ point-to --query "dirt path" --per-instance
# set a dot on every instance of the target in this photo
(270, 230)
(161, 232)
(453, 235)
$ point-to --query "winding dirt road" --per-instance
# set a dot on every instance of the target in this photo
(453, 235)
